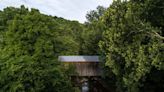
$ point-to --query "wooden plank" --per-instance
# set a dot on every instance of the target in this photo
(87, 69)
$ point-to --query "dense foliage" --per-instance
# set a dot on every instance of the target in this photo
(128, 35)
(92, 32)
(133, 44)
(30, 45)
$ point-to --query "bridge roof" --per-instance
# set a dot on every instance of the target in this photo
(78, 58)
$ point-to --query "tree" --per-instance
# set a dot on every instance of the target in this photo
(132, 47)
(28, 60)
(95, 15)
(92, 32)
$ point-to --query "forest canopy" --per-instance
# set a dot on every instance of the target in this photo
(132, 44)
(31, 43)
(128, 36)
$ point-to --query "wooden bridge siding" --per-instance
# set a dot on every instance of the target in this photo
(87, 68)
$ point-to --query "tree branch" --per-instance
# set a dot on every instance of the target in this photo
(156, 35)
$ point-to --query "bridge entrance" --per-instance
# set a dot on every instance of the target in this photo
(87, 74)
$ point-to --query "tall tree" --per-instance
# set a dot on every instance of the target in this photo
(132, 47)
(31, 44)
(92, 32)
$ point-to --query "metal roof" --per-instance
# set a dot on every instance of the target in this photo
(78, 58)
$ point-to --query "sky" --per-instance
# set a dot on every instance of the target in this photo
(68, 9)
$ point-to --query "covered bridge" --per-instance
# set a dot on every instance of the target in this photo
(84, 65)
(88, 70)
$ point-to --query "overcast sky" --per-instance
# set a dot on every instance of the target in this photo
(68, 9)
